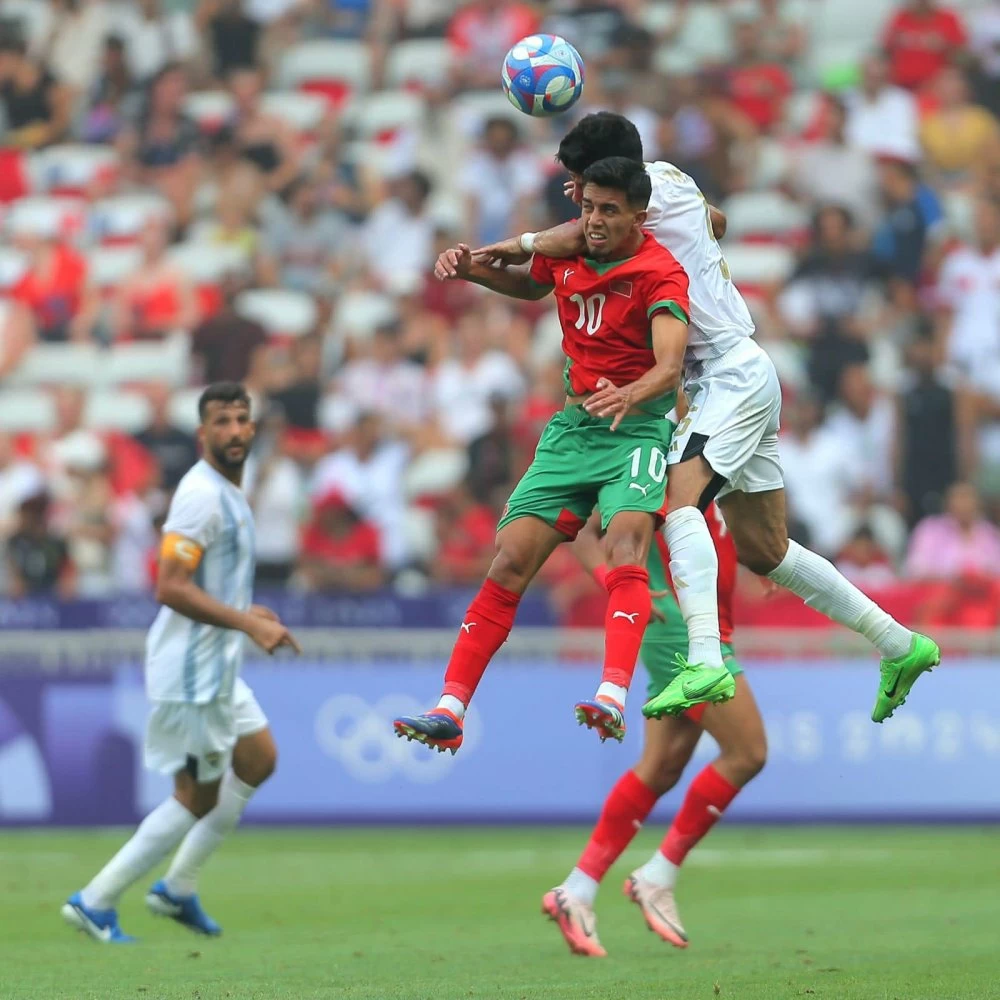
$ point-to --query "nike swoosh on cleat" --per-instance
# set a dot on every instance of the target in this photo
(697, 691)
(662, 916)
(895, 684)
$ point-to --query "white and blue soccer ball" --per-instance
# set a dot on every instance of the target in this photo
(543, 75)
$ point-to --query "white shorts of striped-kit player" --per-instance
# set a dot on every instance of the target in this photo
(734, 402)
(178, 730)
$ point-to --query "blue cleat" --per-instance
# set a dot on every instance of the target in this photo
(101, 925)
(438, 728)
(185, 910)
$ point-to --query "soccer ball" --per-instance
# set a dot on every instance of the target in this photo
(542, 75)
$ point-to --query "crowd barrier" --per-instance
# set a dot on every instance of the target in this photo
(71, 744)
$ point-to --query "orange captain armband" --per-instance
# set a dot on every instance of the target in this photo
(186, 552)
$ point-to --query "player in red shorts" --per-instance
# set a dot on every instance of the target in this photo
(669, 744)
(623, 311)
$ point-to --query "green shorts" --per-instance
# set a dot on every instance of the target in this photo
(580, 464)
(664, 640)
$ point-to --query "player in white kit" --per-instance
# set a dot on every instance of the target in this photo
(205, 727)
(727, 445)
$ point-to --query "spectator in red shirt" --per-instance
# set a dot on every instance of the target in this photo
(480, 34)
(757, 87)
(920, 40)
(340, 551)
(55, 289)
(466, 531)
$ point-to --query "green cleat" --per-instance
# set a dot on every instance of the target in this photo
(899, 675)
(694, 684)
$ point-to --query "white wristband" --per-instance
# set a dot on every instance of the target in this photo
(527, 241)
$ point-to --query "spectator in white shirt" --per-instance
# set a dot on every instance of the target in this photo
(155, 37)
(397, 239)
(498, 181)
(818, 477)
(864, 424)
(368, 471)
(969, 295)
(882, 119)
(385, 380)
(835, 171)
(464, 385)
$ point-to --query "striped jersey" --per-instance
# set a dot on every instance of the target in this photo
(678, 217)
(186, 660)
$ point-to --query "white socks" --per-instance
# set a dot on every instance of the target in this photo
(156, 836)
(659, 871)
(615, 692)
(450, 702)
(694, 567)
(206, 835)
(581, 886)
(822, 587)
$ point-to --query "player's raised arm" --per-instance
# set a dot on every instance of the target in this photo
(564, 240)
(457, 263)
(176, 588)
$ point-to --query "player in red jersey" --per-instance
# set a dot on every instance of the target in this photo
(623, 311)
(668, 746)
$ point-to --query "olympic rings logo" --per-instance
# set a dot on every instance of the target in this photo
(360, 737)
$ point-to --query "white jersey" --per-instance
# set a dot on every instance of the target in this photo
(186, 660)
(679, 219)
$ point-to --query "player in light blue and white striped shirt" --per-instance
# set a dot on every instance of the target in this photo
(205, 727)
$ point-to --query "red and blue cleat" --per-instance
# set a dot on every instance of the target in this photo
(438, 728)
(607, 717)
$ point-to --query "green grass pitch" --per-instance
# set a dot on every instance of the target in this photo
(831, 914)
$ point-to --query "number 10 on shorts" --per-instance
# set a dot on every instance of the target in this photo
(656, 467)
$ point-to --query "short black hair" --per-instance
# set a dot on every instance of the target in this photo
(223, 392)
(596, 136)
(621, 174)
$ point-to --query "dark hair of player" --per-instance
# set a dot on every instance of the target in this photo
(222, 392)
(596, 136)
(621, 174)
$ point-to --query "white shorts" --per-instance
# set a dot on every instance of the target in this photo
(733, 419)
(201, 737)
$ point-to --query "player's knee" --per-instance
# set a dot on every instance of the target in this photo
(626, 549)
(199, 800)
(748, 759)
(263, 767)
(511, 568)
(658, 774)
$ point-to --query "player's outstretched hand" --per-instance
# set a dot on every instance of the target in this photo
(261, 612)
(453, 263)
(504, 253)
(610, 401)
(270, 634)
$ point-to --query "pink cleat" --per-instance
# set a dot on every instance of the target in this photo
(658, 907)
(576, 921)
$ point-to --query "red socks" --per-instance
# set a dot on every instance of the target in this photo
(702, 807)
(629, 608)
(485, 629)
(625, 809)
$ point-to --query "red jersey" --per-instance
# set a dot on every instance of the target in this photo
(726, 549)
(759, 92)
(605, 311)
(919, 47)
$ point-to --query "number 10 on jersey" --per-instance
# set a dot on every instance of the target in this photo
(591, 312)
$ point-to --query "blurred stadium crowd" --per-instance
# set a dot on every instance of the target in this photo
(257, 190)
